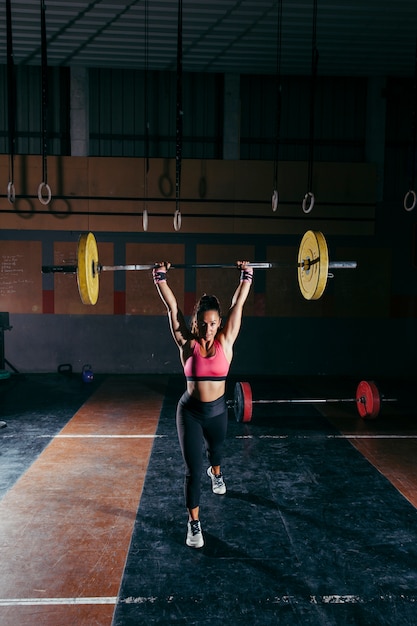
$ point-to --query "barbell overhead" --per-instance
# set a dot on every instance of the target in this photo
(313, 266)
(368, 401)
(87, 274)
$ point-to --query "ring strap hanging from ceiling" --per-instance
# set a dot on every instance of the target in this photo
(278, 88)
(411, 193)
(178, 155)
(414, 155)
(11, 103)
(44, 69)
(309, 197)
(146, 117)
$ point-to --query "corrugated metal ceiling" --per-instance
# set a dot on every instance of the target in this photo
(354, 37)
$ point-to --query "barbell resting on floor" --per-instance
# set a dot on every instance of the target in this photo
(313, 266)
(368, 401)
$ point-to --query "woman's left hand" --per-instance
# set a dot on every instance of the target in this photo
(244, 266)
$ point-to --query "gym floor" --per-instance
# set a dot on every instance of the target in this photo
(318, 525)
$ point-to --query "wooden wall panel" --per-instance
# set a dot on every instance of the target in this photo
(116, 177)
(141, 295)
(219, 179)
(161, 178)
(109, 195)
(21, 276)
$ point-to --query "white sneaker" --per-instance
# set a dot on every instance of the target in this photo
(194, 534)
(217, 482)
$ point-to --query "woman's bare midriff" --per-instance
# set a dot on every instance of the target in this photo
(206, 390)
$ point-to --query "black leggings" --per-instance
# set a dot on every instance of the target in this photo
(197, 422)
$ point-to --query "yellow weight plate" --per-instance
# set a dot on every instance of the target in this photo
(87, 268)
(313, 265)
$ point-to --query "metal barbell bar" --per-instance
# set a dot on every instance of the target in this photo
(313, 266)
(368, 400)
(72, 269)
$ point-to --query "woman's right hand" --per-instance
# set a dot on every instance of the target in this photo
(163, 266)
(159, 272)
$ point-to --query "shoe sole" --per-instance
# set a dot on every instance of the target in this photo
(194, 545)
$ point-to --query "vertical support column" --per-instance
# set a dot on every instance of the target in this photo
(79, 118)
(375, 128)
(231, 117)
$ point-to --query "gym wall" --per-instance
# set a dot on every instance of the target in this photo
(364, 325)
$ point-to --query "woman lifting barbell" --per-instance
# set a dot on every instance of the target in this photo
(206, 351)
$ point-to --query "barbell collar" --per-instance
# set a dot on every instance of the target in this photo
(333, 265)
(340, 265)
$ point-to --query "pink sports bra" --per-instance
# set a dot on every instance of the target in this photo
(199, 367)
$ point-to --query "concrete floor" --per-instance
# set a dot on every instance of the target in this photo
(318, 525)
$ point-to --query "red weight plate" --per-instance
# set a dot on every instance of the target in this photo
(368, 399)
(243, 402)
(247, 402)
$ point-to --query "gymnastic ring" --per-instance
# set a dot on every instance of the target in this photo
(11, 193)
(275, 198)
(306, 208)
(409, 193)
(145, 220)
(44, 200)
(177, 220)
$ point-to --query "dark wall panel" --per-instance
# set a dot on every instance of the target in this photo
(127, 344)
